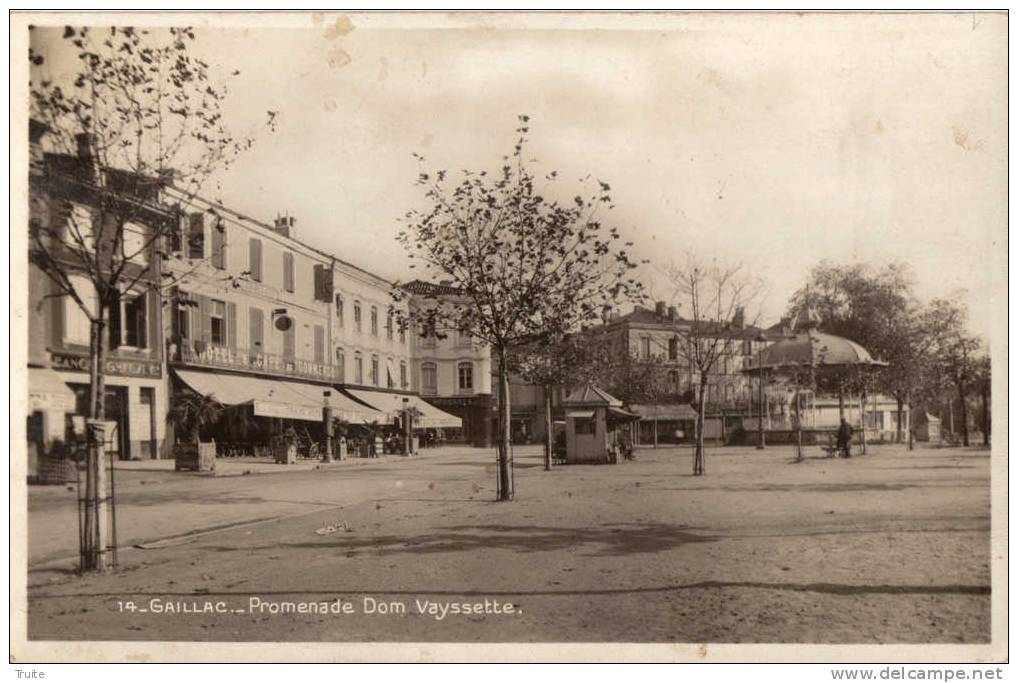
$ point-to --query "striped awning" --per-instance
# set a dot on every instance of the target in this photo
(391, 404)
(46, 391)
(277, 398)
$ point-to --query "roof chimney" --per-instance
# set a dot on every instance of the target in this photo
(739, 319)
(84, 141)
(285, 225)
(673, 312)
(659, 309)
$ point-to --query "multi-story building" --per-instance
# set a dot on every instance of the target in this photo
(232, 307)
(275, 328)
(452, 369)
(64, 210)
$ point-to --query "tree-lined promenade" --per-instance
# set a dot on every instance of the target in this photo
(888, 547)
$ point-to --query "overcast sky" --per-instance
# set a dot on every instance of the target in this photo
(777, 140)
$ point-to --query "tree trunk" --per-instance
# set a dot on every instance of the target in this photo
(503, 444)
(549, 440)
(984, 395)
(798, 426)
(911, 426)
(699, 466)
(900, 428)
(964, 415)
(862, 423)
(94, 518)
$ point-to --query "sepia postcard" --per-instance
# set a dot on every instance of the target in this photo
(509, 336)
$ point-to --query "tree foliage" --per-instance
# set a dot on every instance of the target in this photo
(529, 266)
(526, 266)
(134, 129)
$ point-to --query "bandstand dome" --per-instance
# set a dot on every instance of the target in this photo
(815, 348)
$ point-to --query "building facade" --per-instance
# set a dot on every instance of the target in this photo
(64, 209)
(452, 369)
(275, 330)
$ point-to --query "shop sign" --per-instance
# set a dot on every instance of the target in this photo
(287, 410)
(120, 367)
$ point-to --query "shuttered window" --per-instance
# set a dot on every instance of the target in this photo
(196, 237)
(136, 321)
(217, 323)
(255, 259)
(288, 277)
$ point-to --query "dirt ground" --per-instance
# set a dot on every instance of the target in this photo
(892, 547)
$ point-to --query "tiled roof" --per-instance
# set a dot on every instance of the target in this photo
(591, 395)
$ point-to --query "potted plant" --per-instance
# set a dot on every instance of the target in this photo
(285, 446)
(191, 414)
(339, 433)
(374, 444)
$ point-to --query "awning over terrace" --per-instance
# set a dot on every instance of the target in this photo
(277, 398)
(46, 391)
(391, 404)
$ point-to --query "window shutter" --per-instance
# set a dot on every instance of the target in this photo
(204, 319)
(177, 234)
(154, 320)
(256, 321)
(59, 306)
(218, 245)
(115, 322)
(289, 341)
(319, 344)
(255, 265)
(196, 237)
(288, 283)
(141, 320)
(231, 324)
(323, 283)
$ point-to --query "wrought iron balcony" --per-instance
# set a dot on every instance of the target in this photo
(204, 355)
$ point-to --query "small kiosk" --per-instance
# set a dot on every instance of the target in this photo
(598, 430)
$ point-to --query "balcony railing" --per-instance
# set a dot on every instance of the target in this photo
(205, 355)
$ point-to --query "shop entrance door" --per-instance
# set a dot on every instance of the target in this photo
(116, 411)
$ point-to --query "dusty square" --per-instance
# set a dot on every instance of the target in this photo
(888, 547)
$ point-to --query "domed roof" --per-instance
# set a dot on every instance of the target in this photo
(816, 348)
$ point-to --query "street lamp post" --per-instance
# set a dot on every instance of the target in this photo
(408, 443)
(327, 425)
(760, 438)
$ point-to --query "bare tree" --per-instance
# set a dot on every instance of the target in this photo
(715, 294)
(133, 130)
(527, 267)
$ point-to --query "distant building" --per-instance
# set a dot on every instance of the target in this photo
(655, 338)
(452, 369)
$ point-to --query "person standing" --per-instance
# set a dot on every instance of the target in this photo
(845, 438)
